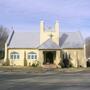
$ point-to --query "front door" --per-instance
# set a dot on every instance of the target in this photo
(49, 57)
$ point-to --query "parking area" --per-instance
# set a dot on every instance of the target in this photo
(49, 80)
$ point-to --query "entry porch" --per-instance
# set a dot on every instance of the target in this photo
(49, 57)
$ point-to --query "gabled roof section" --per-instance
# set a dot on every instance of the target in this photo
(10, 37)
(71, 40)
(24, 40)
(32, 40)
(49, 44)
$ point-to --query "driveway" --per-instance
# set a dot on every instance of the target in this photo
(49, 80)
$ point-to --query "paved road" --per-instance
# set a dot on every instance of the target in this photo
(44, 81)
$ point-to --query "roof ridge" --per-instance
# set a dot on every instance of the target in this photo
(70, 32)
(26, 31)
(81, 36)
(10, 37)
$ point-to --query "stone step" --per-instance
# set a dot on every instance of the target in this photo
(49, 66)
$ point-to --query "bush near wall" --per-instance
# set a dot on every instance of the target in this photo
(36, 64)
(1, 54)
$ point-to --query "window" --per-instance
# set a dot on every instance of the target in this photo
(14, 55)
(32, 55)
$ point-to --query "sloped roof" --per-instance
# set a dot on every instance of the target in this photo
(32, 40)
(24, 40)
(49, 44)
(71, 40)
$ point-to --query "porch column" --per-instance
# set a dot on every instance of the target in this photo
(58, 58)
(41, 59)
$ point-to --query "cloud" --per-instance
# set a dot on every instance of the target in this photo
(72, 14)
(63, 8)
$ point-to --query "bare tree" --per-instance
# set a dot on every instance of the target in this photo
(4, 32)
(88, 47)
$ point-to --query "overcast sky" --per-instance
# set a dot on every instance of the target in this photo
(73, 15)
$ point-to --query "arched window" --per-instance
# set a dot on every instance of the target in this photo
(14, 55)
(32, 55)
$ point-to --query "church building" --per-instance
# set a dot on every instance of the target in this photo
(49, 46)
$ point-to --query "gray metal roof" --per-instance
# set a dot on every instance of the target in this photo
(71, 40)
(32, 40)
(24, 40)
(49, 44)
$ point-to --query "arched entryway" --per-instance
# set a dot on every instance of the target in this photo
(49, 57)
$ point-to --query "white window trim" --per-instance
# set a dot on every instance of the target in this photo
(14, 56)
(32, 56)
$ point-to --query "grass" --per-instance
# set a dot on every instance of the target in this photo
(39, 69)
(20, 69)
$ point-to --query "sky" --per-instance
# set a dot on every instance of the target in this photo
(25, 15)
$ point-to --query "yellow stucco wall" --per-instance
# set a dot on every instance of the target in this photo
(77, 57)
(45, 35)
(22, 52)
(40, 57)
(58, 57)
